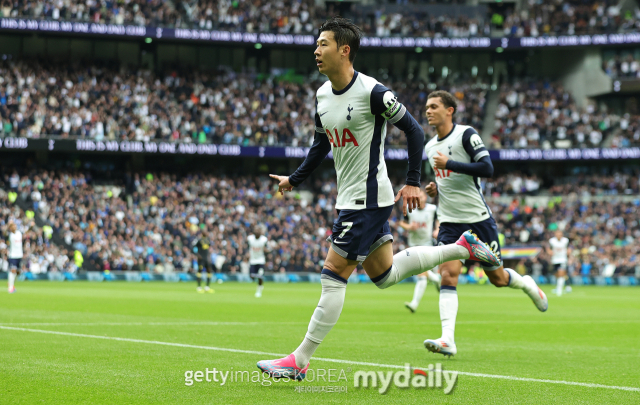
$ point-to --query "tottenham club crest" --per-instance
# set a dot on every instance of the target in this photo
(349, 109)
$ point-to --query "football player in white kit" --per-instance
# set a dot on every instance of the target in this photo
(559, 246)
(419, 224)
(14, 255)
(257, 244)
(459, 158)
(352, 111)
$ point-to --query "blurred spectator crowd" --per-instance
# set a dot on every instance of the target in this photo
(622, 65)
(541, 114)
(536, 18)
(224, 107)
(150, 222)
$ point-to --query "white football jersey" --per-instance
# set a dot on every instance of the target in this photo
(559, 250)
(460, 195)
(15, 245)
(423, 236)
(256, 252)
(355, 121)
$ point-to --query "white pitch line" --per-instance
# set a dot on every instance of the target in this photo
(205, 323)
(359, 363)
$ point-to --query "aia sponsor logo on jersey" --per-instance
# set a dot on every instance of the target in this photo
(337, 141)
(442, 173)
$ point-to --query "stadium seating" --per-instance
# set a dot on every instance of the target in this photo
(152, 233)
(304, 17)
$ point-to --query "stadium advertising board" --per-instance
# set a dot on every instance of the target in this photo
(86, 28)
(175, 148)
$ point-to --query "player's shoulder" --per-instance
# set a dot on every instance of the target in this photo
(432, 207)
(324, 90)
(464, 131)
(367, 82)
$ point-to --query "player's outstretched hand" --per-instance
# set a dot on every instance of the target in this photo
(283, 183)
(431, 189)
(410, 196)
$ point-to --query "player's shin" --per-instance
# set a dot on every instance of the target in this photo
(559, 285)
(448, 312)
(515, 280)
(324, 317)
(418, 291)
(416, 260)
(12, 280)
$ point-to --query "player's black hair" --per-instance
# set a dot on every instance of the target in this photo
(345, 33)
(447, 98)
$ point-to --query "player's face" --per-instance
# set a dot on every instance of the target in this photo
(558, 235)
(327, 53)
(436, 111)
(12, 228)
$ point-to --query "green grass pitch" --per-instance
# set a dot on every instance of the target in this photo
(590, 336)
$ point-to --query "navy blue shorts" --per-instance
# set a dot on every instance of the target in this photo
(14, 263)
(256, 271)
(486, 230)
(357, 233)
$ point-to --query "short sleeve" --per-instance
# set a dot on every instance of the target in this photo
(473, 145)
(385, 103)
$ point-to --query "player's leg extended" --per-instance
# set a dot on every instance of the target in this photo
(417, 259)
(446, 345)
(334, 285)
(503, 277)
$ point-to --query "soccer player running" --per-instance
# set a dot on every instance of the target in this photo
(202, 247)
(352, 111)
(257, 243)
(459, 158)
(559, 258)
(14, 255)
(419, 224)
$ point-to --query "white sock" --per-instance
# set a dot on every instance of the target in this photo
(448, 312)
(433, 276)
(416, 260)
(418, 291)
(560, 286)
(12, 279)
(324, 317)
(515, 280)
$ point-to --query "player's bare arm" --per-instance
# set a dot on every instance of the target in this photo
(408, 226)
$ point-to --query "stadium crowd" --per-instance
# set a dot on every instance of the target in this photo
(622, 66)
(541, 114)
(103, 103)
(536, 18)
(40, 253)
(149, 222)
